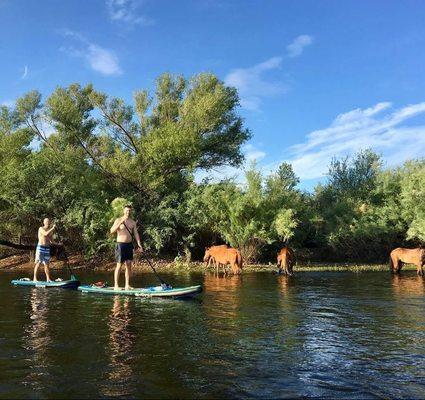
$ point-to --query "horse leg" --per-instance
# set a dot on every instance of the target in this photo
(289, 269)
(218, 267)
(420, 270)
(279, 267)
(395, 265)
(399, 266)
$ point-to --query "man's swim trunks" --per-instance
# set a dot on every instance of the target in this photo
(124, 252)
(42, 254)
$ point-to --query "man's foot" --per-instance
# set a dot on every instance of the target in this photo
(117, 288)
(129, 288)
(35, 280)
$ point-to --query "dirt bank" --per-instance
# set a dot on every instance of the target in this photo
(77, 262)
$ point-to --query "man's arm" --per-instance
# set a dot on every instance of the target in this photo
(117, 224)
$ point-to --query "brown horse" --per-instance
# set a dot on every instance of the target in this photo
(210, 253)
(223, 255)
(401, 256)
(285, 261)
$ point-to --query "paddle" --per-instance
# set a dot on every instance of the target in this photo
(164, 284)
(73, 277)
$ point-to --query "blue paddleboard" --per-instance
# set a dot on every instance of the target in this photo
(155, 291)
(70, 284)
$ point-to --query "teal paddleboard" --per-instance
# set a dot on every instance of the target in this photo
(69, 284)
(155, 291)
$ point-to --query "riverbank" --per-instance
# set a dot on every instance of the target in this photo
(23, 263)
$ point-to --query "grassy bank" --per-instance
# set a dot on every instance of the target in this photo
(23, 263)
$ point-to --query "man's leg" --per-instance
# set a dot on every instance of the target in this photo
(117, 276)
(37, 264)
(128, 274)
(46, 271)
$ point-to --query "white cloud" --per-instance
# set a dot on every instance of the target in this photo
(103, 60)
(99, 59)
(252, 153)
(297, 47)
(25, 73)
(252, 84)
(376, 127)
(127, 11)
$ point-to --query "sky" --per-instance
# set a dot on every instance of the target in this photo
(316, 79)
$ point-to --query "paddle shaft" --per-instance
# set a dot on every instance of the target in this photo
(66, 255)
(147, 259)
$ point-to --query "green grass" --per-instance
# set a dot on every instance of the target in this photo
(200, 267)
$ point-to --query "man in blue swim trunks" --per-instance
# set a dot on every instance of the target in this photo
(126, 229)
(42, 253)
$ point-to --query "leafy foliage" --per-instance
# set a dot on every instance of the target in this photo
(80, 155)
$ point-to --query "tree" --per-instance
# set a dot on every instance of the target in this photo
(412, 198)
(354, 177)
(248, 217)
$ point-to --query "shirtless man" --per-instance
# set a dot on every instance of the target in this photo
(42, 253)
(125, 228)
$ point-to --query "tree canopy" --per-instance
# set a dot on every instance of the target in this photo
(77, 154)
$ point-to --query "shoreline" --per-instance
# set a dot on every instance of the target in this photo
(77, 263)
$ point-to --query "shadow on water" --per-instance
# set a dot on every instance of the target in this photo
(257, 335)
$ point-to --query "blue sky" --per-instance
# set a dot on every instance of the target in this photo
(317, 79)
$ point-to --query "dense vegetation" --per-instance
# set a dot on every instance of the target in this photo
(80, 154)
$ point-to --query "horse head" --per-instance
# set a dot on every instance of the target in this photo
(207, 255)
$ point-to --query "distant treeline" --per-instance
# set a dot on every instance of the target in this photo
(80, 154)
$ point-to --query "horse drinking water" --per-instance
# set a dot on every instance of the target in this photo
(285, 261)
(401, 256)
(225, 256)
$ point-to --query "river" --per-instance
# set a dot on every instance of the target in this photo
(327, 334)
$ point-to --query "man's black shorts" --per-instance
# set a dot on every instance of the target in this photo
(124, 252)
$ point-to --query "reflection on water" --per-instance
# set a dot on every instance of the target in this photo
(284, 283)
(36, 339)
(121, 348)
(408, 285)
(223, 302)
(333, 335)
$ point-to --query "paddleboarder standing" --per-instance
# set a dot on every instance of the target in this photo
(42, 252)
(126, 229)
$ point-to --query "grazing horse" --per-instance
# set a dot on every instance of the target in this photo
(401, 256)
(209, 256)
(225, 256)
(285, 261)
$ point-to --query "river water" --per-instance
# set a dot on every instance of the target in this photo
(327, 334)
